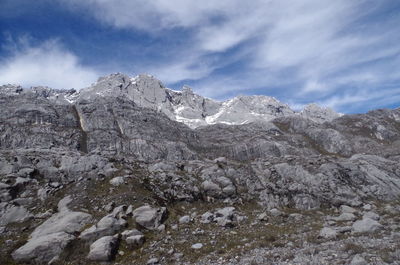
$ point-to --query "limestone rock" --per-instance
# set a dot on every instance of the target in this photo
(366, 225)
(103, 249)
(328, 233)
(148, 217)
(184, 219)
(14, 214)
(108, 225)
(43, 248)
(135, 241)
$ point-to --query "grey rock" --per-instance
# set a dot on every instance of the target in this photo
(197, 246)
(371, 215)
(152, 261)
(328, 233)
(211, 188)
(318, 114)
(358, 260)
(206, 218)
(184, 219)
(103, 249)
(43, 248)
(117, 181)
(347, 209)
(50, 238)
(135, 241)
(275, 212)
(129, 233)
(263, 217)
(225, 216)
(14, 214)
(345, 217)
(108, 225)
(148, 217)
(366, 225)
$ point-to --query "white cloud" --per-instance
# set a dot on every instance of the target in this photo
(180, 70)
(47, 64)
(362, 98)
(323, 46)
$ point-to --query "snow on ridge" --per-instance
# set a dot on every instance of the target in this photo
(186, 106)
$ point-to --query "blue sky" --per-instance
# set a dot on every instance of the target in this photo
(342, 54)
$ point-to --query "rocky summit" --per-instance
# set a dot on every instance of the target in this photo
(128, 171)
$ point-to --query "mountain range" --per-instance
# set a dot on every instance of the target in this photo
(131, 172)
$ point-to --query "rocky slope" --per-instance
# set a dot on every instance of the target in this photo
(131, 172)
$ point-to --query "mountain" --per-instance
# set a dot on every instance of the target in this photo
(130, 171)
(186, 106)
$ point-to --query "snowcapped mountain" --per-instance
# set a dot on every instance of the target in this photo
(183, 106)
(194, 110)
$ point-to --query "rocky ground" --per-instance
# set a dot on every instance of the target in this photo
(91, 177)
(191, 212)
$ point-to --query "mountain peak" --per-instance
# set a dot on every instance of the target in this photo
(319, 114)
(185, 106)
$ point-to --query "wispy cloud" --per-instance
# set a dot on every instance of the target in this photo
(299, 51)
(47, 63)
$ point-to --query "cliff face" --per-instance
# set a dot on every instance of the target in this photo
(130, 143)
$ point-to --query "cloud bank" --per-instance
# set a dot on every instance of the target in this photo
(47, 63)
(343, 54)
(331, 50)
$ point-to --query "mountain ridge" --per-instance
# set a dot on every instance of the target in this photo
(184, 106)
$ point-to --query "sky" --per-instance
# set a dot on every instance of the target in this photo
(341, 54)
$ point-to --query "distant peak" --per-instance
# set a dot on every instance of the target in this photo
(187, 89)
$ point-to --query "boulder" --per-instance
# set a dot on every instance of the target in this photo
(225, 216)
(135, 241)
(358, 260)
(69, 222)
(149, 217)
(372, 215)
(50, 238)
(347, 209)
(345, 217)
(129, 233)
(108, 225)
(211, 188)
(206, 218)
(103, 249)
(184, 219)
(197, 246)
(14, 214)
(42, 249)
(328, 233)
(366, 225)
(117, 181)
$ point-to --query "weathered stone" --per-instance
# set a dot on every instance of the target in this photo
(184, 219)
(366, 225)
(197, 246)
(117, 181)
(108, 225)
(135, 241)
(148, 217)
(14, 214)
(129, 233)
(43, 248)
(328, 233)
(50, 238)
(103, 249)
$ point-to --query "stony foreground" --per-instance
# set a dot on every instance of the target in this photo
(193, 212)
